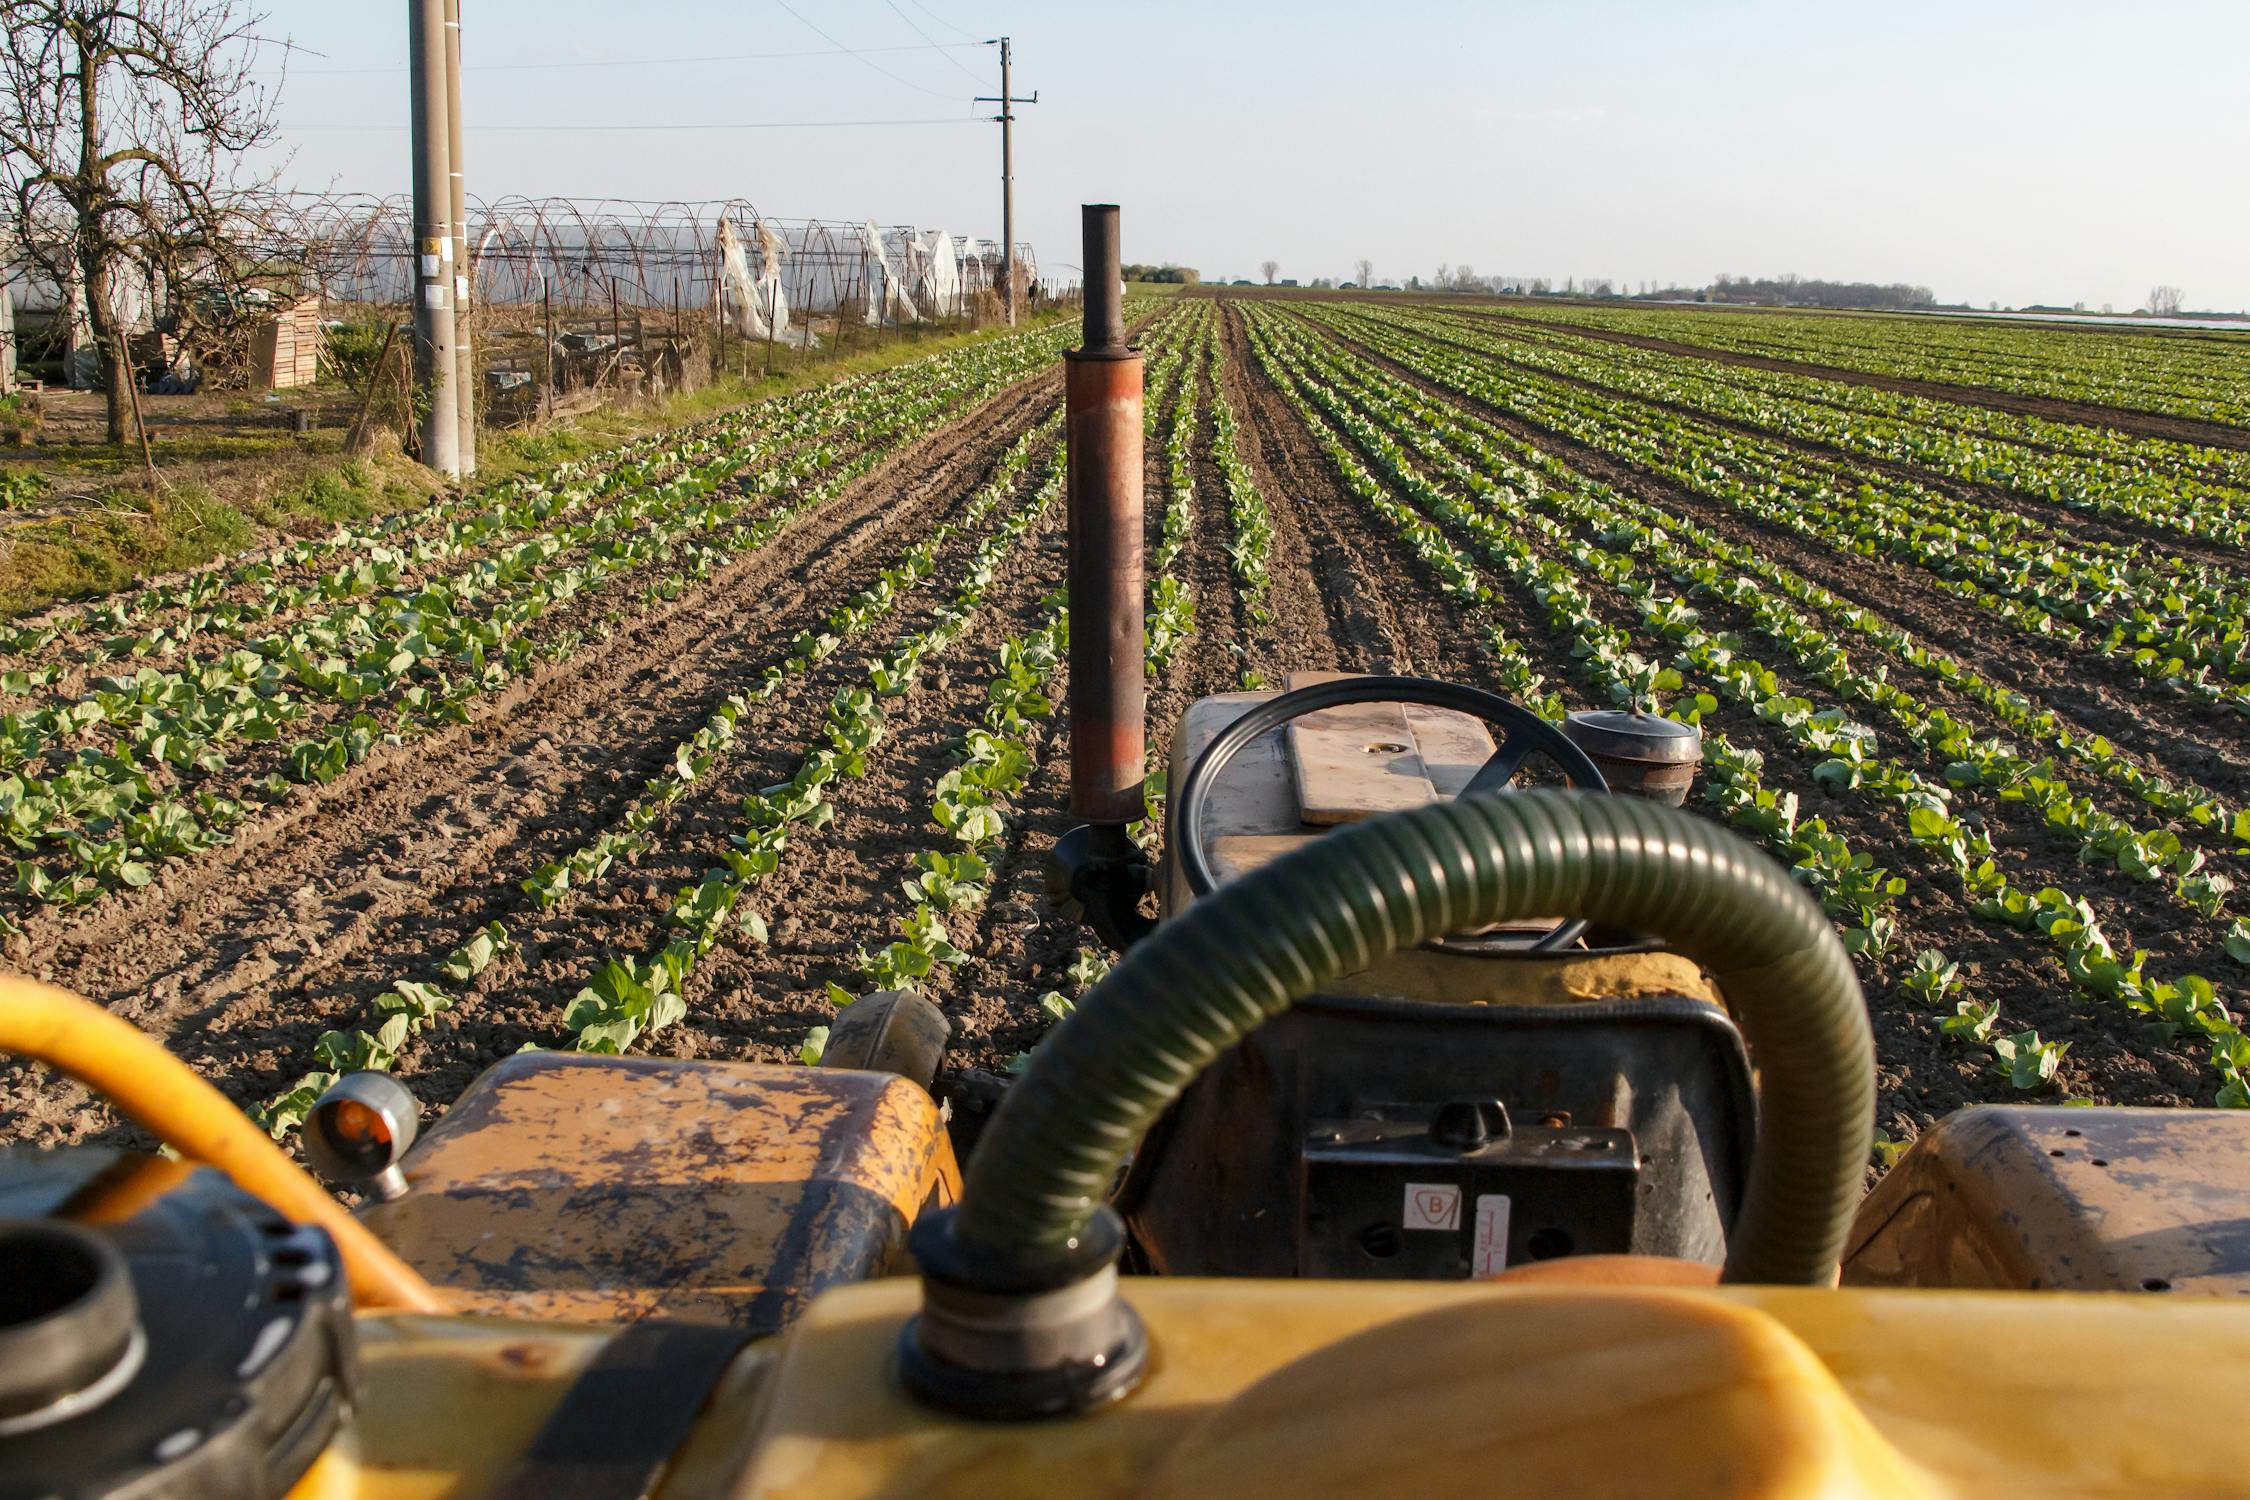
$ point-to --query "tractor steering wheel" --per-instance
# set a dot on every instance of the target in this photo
(1522, 734)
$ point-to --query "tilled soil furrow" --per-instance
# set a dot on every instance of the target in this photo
(629, 903)
(428, 838)
(1339, 543)
(2174, 736)
(1923, 1074)
(842, 894)
(1388, 560)
(2053, 408)
(1306, 630)
(2077, 524)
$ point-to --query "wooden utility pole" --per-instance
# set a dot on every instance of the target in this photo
(464, 361)
(436, 370)
(1007, 118)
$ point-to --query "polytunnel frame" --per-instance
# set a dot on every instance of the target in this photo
(653, 254)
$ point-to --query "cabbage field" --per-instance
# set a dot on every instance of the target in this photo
(677, 749)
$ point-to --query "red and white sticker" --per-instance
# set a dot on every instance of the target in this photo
(1489, 1255)
(1432, 1205)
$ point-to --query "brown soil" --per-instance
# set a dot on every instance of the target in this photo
(2089, 689)
(240, 959)
(2090, 525)
(1923, 1073)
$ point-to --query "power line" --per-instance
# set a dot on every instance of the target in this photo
(862, 56)
(714, 125)
(948, 25)
(925, 36)
(650, 62)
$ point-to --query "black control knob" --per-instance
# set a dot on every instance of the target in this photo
(1467, 1124)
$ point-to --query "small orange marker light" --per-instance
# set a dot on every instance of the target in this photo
(356, 1124)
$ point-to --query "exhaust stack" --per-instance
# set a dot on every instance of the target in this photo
(1102, 382)
(1094, 870)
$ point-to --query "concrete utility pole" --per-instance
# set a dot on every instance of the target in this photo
(464, 363)
(1007, 118)
(435, 372)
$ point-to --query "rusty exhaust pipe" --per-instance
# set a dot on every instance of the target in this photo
(1096, 866)
(1102, 381)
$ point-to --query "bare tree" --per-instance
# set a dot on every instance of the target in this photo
(1363, 270)
(2164, 301)
(1268, 267)
(123, 126)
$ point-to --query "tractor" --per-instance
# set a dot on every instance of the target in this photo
(1461, 1118)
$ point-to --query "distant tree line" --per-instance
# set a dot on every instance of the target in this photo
(1792, 291)
(1795, 291)
(1787, 291)
(1184, 275)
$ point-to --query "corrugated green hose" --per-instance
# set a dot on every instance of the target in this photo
(1245, 953)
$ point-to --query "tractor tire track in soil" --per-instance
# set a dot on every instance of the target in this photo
(1313, 511)
(410, 851)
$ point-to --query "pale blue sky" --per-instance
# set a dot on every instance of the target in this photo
(2010, 150)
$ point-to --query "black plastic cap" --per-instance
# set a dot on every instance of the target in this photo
(973, 1268)
(68, 1314)
(1025, 1395)
(1617, 735)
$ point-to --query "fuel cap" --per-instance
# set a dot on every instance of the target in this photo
(70, 1328)
(1641, 755)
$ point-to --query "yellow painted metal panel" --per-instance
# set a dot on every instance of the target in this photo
(1969, 1394)
(1309, 1389)
(593, 1189)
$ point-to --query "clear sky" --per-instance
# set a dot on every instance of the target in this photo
(2011, 150)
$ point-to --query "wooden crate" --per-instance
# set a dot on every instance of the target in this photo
(285, 350)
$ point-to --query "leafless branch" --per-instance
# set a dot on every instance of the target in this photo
(124, 131)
